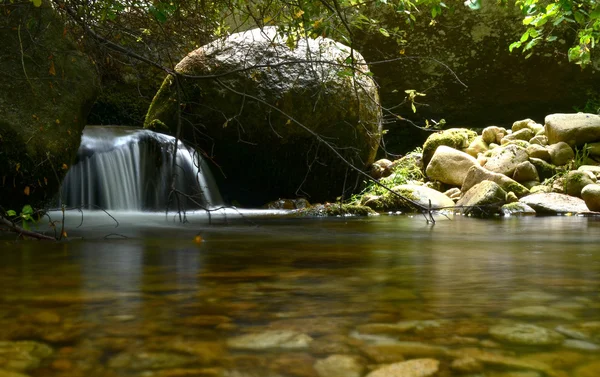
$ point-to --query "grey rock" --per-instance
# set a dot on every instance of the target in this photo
(595, 170)
(381, 168)
(422, 195)
(591, 197)
(526, 334)
(517, 209)
(545, 170)
(493, 134)
(505, 159)
(526, 171)
(575, 181)
(561, 153)
(524, 134)
(522, 124)
(449, 165)
(484, 199)
(478, 174)
(538, 151)
(554, 203)
(573, 129)
(477, 146)
(539, 140)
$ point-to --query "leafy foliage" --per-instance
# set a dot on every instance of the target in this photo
(544, 19)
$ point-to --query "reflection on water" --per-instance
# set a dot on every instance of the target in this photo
(294, 297)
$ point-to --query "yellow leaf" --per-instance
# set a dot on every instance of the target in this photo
(64, 234)
(299, 13)
(402, 52)
(65, 167)
(26, 191)
(289, 121)
(18, 166)
(57, 121)
(198, 239)
(52, 70)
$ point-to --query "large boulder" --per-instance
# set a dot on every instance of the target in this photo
(478, 174)
(46, 89)
(422, 195)
(505, 159)
(591, 196)
(554, 203)
(573, 129)
(449, 165)
(484, 199)
(271, 118)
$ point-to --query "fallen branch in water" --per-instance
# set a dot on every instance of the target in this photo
(24, 232)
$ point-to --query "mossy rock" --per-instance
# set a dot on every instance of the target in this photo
(248, 122)
(45, 96)
(334, 209)
(457, 138)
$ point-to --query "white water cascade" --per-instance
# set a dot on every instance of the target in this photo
(122, 168)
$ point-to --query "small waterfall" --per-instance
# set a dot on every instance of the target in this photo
(121, 168)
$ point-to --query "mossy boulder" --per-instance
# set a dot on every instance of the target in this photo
(457, 138)
(258, 121)
(46, 89)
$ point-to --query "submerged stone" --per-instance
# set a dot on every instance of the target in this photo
(149, 360)
(339, 366)
(410, 368)
(271, 339)
(539, 312)
(526, 334)
(23, 355)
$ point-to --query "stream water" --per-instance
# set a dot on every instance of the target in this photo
(274, 296)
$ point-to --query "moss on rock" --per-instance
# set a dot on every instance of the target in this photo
(457, 138)
(46, 92)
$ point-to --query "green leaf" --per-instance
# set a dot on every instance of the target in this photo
(10, 212)
(551, 38)
(514, 45)
(384, 32)
(579, 17)
(27, 210)
(412, 106)
(595, 13)
(37, 3)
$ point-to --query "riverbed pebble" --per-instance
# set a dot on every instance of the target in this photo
(526, 334)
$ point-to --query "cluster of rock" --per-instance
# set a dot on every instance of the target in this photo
(528, 169)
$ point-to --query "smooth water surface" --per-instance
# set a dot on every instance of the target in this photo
(303, 297)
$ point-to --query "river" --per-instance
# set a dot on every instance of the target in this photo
(272, 296)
